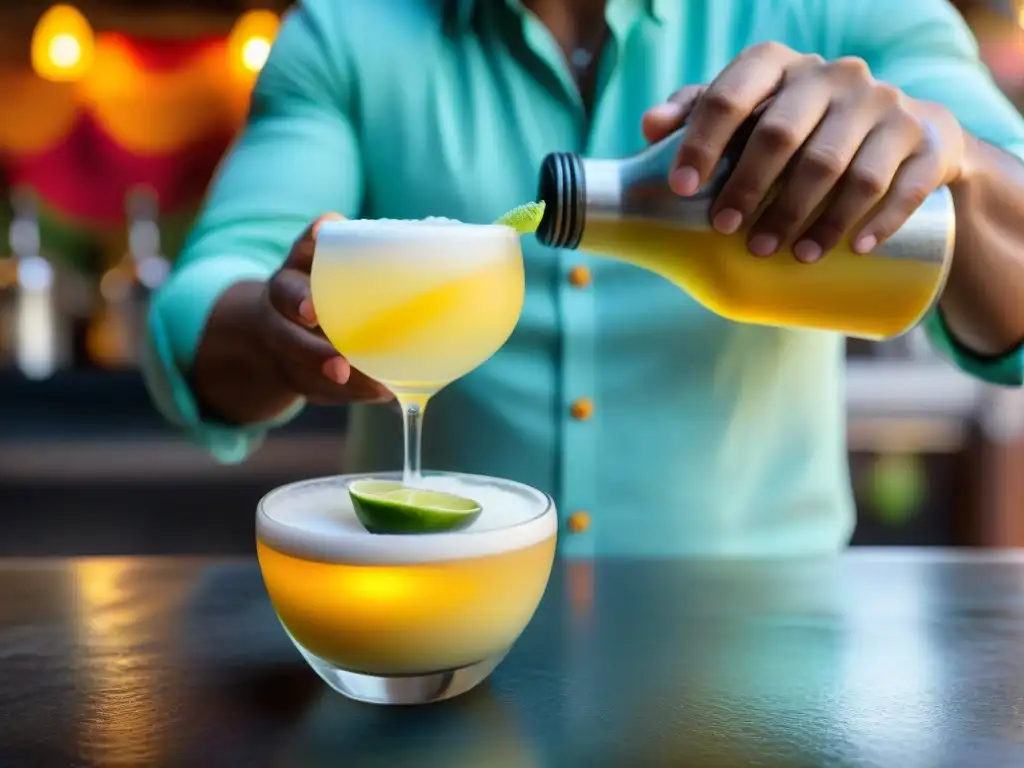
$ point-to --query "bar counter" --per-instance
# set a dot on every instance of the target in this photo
(896, 658)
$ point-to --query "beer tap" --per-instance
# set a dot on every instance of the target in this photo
(149, 265)
(126, 287)
(41, 337)
(144, 248)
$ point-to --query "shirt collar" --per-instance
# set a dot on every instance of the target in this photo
(460, 12)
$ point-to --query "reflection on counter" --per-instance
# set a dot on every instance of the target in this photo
(474, 730)
(732, 665)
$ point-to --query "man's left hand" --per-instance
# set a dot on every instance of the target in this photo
(852, 157)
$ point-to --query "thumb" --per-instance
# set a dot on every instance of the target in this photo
(301, 255)
(663, 119)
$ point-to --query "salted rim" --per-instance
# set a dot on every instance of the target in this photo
(391, 549)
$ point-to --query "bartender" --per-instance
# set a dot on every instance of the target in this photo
(660, 428)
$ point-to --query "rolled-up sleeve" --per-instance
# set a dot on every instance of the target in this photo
(925, 48)
(296, 158)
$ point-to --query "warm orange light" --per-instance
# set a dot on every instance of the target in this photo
(251, 39)
(63, 45)
(255, 53)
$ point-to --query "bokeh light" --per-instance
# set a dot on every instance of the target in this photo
(251, 40)
(63, 45)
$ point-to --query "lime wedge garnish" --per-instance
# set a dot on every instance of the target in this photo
(525, 219)
(384, 506)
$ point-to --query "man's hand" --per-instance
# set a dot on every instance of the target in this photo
(306, 359)
(852, 157)
(262, 349)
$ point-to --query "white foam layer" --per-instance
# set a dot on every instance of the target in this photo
(350, 232)
(314, 520)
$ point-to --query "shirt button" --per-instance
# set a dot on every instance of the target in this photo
(579, 521)
(582, 409)
(579, 277)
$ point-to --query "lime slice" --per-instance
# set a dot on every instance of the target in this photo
(384, 506)
(525, 219)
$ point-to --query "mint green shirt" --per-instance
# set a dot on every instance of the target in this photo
(707, 436)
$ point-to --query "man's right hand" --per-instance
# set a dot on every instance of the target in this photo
(262, 348)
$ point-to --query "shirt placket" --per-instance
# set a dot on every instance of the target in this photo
(578, 455)
(576, 298)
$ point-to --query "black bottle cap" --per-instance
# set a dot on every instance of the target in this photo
(562, 188)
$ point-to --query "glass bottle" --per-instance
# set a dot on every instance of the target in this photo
(625, 209)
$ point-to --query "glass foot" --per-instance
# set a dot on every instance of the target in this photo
(404, 689)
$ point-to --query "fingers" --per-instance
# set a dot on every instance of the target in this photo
(826, 147)
(289, 294)
(359, 388)
(783, 127)
(730, 99)
(313, 368)
(305, 359)
(301, 255)
(362, 389)
(665, 118)
(303, 348)
(289, 287)
(914, 181)
(811, 178)
(866, 182)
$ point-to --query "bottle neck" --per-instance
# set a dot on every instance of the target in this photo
(577, 191)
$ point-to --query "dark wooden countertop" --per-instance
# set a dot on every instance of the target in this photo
(897, 658)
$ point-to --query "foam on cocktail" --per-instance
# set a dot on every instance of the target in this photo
(346, 233)
(315, 520)
(443, 251)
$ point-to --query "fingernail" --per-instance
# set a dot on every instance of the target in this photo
(685, 181)
(763, 245)
(865, 244)
(323, 219)
(727, 221)
(807, 251)
(667, 111)
(336, 369)
(306, 313)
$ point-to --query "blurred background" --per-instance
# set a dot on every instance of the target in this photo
(113, 115)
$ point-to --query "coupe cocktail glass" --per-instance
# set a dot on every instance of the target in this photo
(405, 619)
(416, 304)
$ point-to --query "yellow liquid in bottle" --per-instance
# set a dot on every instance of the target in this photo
(849, 293)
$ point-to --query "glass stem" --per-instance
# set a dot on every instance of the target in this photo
(412, 427)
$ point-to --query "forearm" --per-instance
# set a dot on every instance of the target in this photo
(234, 379)
(983, 303)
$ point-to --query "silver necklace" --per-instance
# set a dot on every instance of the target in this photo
(582, 56)
(580, 59)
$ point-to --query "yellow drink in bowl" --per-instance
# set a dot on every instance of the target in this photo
(385, 617)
